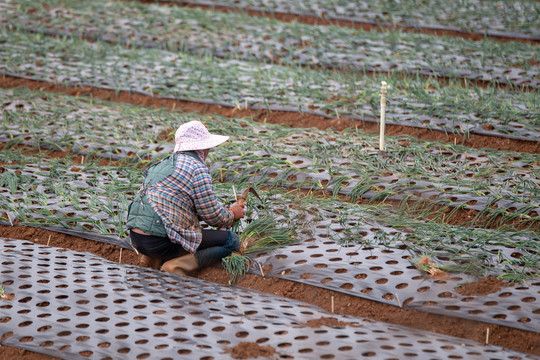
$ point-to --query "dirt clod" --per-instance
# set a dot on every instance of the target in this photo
(330, 322)
(483, 286)
(249, 350)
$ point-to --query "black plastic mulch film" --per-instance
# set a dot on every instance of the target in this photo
(499, 75)
(442, 124)
(74, 305)
(356, 14)
(424, 188)
(503, 75)
(402, 116)
(388, 276)
(274, 175)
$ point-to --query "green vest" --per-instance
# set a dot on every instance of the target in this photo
(141, 215)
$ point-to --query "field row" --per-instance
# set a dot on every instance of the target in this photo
(516, 19)
(503, 186)
(88, 307)
(87, 199)
(239, 36)
(414, 226)
(235, 83)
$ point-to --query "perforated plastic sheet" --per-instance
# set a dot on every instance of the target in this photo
(457, 193)
(138, 70)
(119, 147)
(360, 62)
(74, 305)
(78, 198)
(388, 275)
(435, 16)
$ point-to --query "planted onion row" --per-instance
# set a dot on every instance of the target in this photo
(93, 198)
(500, 185)
(257, 38)
(510, 19)
(235, 83)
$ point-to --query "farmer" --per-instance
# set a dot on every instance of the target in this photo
(176, 193)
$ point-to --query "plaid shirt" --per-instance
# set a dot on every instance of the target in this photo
(184, 197)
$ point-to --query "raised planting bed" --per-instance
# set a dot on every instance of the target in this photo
(75, 305)
(260, 39)
(501, 186)
(89, 199)
(84, 127)
(66, 195)
(512, 20)
(246, 85)
(372, 253)
(356, 169)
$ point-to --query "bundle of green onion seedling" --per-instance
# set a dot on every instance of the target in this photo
(259, 235)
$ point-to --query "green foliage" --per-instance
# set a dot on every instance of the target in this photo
(236, 265)
(261, 234)
(346, 163)
(265, 233)
(9, 179)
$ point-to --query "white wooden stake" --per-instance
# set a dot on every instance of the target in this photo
(241, 305)
(383, 110)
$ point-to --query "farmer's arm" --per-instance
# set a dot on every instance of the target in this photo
(206, 204)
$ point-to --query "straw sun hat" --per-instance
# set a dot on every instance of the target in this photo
(195, 136)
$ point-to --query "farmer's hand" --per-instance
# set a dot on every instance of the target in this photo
(238, 211)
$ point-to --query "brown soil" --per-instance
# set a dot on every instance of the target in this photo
(248, 350)
(483, 286)
(330, 322)
(11, 353)
(292, 119)
(6, 296)
(519, 340)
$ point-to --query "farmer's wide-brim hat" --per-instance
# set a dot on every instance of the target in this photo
(195, 136)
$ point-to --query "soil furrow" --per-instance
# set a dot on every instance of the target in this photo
(519, 340)
(366, 26)
(292, 119)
